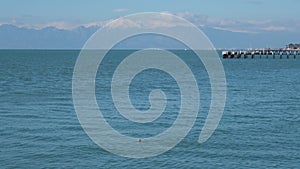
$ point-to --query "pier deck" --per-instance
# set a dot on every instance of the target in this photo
(264, 53)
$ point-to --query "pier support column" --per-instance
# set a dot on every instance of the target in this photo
(280, 55)
(259, 55)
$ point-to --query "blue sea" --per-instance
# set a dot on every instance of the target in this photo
(260, 127)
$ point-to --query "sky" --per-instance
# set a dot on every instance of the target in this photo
(71, 13)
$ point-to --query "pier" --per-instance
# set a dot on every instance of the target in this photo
(261, 53)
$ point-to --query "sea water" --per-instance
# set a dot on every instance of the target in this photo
(39, 128)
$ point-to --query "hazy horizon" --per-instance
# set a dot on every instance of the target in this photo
(230, 24)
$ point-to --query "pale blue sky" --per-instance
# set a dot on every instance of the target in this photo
(90, 10)
(235, 15)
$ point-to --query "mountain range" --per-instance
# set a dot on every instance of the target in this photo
(14, 37)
